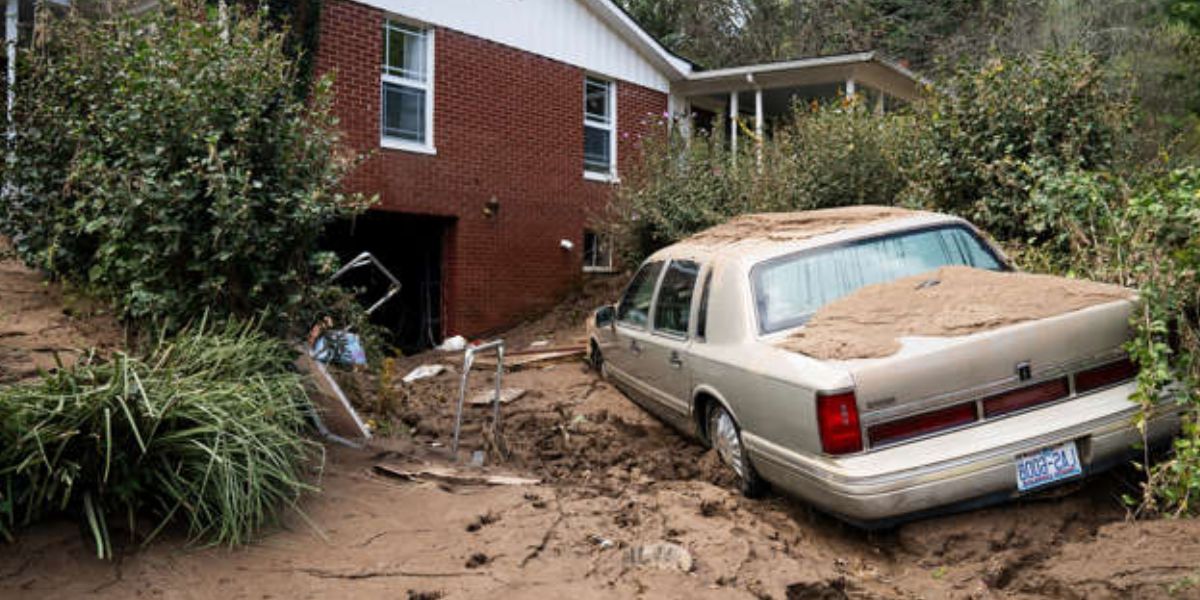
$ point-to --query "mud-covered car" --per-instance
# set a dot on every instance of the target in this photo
(877, 362)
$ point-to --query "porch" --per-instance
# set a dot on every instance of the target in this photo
(756, 96)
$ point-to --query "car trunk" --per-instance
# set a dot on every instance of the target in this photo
(939, 383)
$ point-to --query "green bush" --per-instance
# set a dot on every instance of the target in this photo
(164, 163)
(206, 432)
(991, 132)
(826, 155)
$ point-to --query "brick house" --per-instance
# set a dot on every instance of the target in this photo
(495, 129)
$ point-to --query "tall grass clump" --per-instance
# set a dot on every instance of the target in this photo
(205, 432)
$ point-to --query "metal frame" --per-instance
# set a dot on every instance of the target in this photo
(468, 360)
(362, 260)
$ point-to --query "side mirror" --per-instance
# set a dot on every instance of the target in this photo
(606, 316)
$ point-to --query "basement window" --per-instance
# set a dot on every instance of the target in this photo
(599, 129)
(407, 88)
(597, 252)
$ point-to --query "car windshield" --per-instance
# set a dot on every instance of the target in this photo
(789, 289)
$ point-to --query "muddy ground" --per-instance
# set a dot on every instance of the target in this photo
(612, 480)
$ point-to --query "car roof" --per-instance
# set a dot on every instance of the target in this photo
(759, 236)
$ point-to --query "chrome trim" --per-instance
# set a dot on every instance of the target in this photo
(1047, 375)
(811, 468)
(1000, 386)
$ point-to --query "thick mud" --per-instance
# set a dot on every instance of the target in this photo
(616, 486)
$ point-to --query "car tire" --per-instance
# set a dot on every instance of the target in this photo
(726, 439)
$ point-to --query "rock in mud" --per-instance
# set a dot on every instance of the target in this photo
(662, 555)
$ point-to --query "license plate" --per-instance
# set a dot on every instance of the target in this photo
(1048, 465)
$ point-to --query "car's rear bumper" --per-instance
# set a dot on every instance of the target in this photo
(976, 464)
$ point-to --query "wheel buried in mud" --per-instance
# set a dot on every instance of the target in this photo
(726, 439)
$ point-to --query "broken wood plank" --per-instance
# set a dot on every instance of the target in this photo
(453, 477)
(529, 359)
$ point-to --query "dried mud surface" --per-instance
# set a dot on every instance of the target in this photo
(951, 301)
(795, 226)
(40, 326)
(613, 479)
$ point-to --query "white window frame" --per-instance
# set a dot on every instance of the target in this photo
(397, 143)
(610, 126)
(601, 239)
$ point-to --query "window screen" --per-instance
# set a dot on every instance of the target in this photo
(598, 125)
(405, 86)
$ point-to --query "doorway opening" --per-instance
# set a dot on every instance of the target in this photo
(412, 247)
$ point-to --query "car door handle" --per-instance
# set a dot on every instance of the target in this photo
(635, 348)
(675, 360)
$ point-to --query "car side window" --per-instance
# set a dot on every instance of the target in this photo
(634, 309)
(673, 309)
(702, 313)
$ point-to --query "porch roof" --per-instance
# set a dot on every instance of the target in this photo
(866, 68)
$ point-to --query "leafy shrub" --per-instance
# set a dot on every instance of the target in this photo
(164, 163)
(993, 131)
(826, 155)
(205, 431)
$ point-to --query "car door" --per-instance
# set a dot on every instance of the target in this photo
(665, 355)
(624, 357)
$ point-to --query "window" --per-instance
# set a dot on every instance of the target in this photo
(634, 308)
(788, 290)
(597, 252)
(407, 89)
(702, 314)
(599, 127)
(673, 309)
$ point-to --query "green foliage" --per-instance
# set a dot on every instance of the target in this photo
(996, 129)
(205, 432)
(164, 163)
(1142, 234)
(829, 155)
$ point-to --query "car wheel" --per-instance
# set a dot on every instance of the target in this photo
(726, 439)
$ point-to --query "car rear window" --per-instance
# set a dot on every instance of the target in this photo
(789, 289)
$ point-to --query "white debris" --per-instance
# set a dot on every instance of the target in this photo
(457, 343)
(486, 397)
(423, 372)
(662, 555)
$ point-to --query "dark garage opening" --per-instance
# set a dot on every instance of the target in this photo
(411, 247)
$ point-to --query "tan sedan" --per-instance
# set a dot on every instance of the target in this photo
(876, 362)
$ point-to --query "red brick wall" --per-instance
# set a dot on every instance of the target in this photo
(507, 124)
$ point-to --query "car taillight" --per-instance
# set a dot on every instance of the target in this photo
(910, 427)
(1105, 375)
(1026, 397)
(837, 420)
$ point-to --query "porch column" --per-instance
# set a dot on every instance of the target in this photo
(733, 122)
(758, 123)
(851, 88)
(10, 49)
(879, 103)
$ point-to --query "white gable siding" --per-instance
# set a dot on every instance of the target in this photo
(564, 30)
